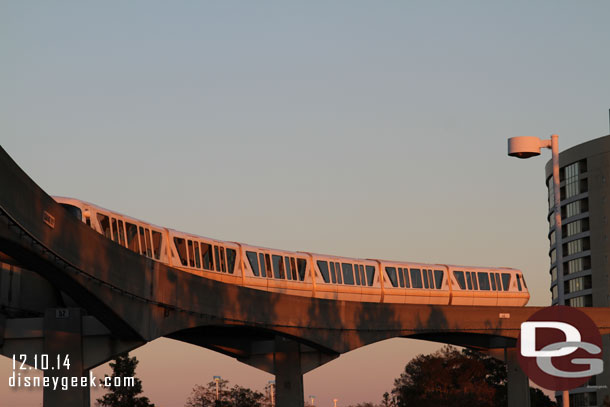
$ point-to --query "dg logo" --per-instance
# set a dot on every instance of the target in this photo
(560, 348)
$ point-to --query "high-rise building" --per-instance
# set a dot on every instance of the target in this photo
(584, 173)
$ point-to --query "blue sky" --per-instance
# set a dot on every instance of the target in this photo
(365, 129)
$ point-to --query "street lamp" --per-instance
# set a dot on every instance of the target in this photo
(217, 380)
(312, 399)
(271, 384)
(526, 147)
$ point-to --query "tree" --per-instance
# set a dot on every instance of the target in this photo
(444, 378)
(124, 396)
(237, 396)
(386, 401)
(205, 396)
(244, 397)
(452, 378)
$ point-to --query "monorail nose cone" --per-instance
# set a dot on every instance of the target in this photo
(523, 147)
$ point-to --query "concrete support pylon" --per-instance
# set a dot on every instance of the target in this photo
(288, 373)
(518, 386)
(63, 337)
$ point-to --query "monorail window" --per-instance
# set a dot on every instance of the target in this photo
(333, 274)
(523, 280)
(483, 281)
(475, 286)
(519, 282)
(425, 278)
(132, 237)
(370, 275)
(406, 274)
(217, 258)
(208, 257)
(252, 258)
(505, 281)
(430, 278)
(348, 273)
(197, 253)
(293, 268)
(191, 253)
(223, 264)
(268, 266)
(278, 267)
(416, 281)
(231, 254)
(391, 272)
(180, 247)
(156, 240)
(287, 267)
(302, 266)
(148, 243)
(459, 277)
(469, 280)
(323, 266)
(261, 262)
(121, 233)
(493, 282)
(498, 282)
(401, 277)
(338, 271)
(104, 222)
(362, 276)
(115, 232)
(438, 278)
(356, 274)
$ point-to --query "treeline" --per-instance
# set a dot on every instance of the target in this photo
(454, 378)
(448, 377)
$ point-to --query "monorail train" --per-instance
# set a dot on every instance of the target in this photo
(307, 274)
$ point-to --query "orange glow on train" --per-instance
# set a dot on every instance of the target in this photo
(307, 274)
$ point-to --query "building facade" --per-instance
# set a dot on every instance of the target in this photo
(585, 213)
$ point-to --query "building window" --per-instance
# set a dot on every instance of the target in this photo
(554, 292)
(576, 227)
(582, 301)
(573, 185)
(578, 284)
(552, 238)
(554, 274)
(574, 208)
(577, 265)
(576, 246)
(553, 256)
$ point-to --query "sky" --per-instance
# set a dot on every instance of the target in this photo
(353, 128)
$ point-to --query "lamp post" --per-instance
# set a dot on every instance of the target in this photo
(217, 380)
(526, 147)
(335, 401)
(272, 392)
(312, 399)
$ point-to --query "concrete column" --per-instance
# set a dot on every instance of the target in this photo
(63, 337)
(288, 373)
(518, 384)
